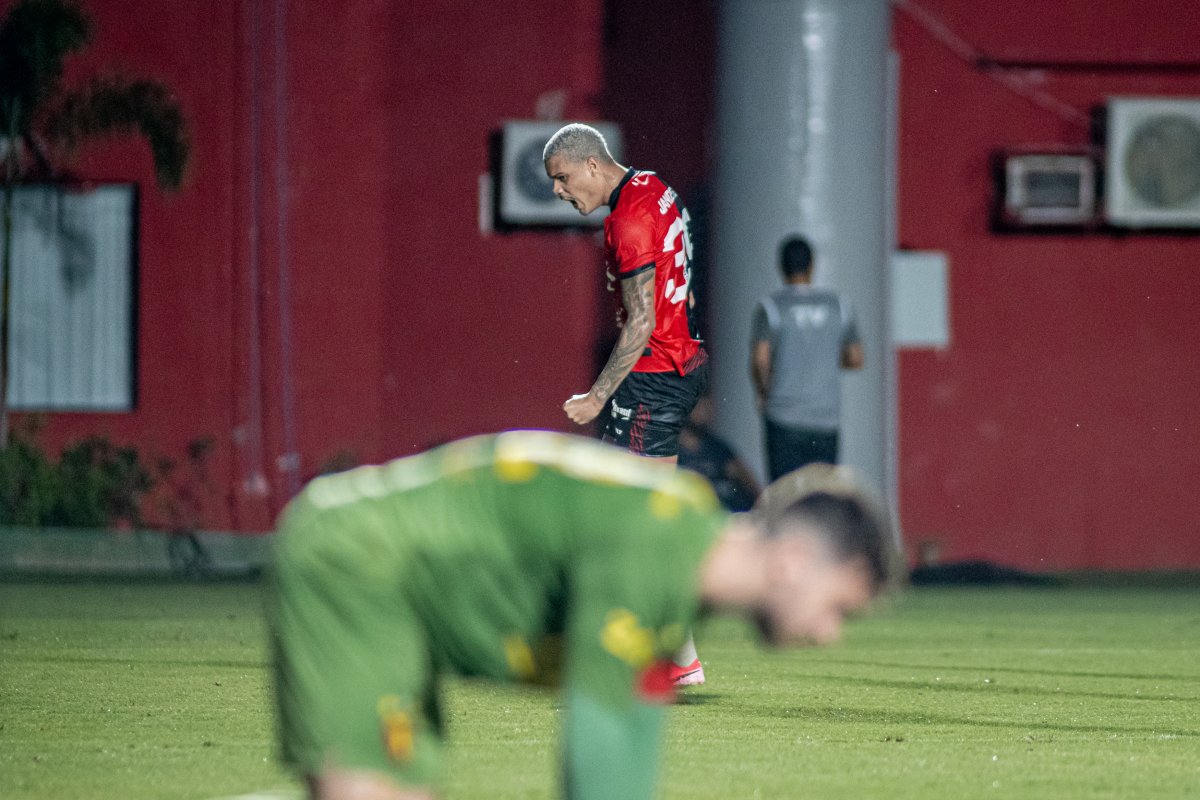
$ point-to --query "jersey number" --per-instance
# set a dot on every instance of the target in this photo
(680, 241)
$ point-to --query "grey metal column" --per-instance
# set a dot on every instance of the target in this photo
(802, 121)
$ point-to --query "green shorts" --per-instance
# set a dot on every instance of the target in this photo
(355, 686)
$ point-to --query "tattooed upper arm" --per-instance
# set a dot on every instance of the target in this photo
(637, 295)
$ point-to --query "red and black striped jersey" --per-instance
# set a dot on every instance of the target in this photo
(647, 228)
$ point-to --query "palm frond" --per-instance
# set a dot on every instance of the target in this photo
(35, 38)
(115, 104)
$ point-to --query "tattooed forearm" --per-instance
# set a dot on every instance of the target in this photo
(637, 295)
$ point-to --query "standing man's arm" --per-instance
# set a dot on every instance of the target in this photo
(852, 355)
(637, 295)
(760, 370)
(852, 349)
(760, 354)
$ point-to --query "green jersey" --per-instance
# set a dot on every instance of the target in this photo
(526, 556)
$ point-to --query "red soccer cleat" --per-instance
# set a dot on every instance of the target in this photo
(691, 675)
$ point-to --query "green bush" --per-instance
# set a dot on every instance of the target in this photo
(29, 484)
(94, 484)
(101, 484)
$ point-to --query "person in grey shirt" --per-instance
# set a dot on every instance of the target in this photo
(801, 336)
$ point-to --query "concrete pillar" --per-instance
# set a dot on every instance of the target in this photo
(802, 124)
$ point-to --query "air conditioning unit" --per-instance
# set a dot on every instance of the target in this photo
(1152, 162)
(524, 192)
(1047, 190)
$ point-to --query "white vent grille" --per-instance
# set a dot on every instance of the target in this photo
(1152, 163)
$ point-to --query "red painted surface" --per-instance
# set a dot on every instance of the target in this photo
(403, 324)
(1057, 430)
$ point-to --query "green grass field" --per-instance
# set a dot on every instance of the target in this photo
(157, 690)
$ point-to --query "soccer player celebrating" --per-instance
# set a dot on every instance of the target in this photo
(538, 557)
(658, 369)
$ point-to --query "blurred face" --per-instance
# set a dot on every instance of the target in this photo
(577, 182)
(810, 593)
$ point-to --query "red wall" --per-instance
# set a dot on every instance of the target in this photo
(1056, 431)
(1059, 428)
(396, 323)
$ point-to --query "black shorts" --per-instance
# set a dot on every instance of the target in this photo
(648, 409)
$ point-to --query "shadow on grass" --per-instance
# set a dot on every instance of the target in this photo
(994, 688)
(166, 662)
(693, 698)
(1063, 673)
(29, 578)
(843, 715)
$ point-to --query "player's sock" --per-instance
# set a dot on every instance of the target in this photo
(686, 653)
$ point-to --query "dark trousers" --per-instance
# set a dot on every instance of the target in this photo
(791, 448)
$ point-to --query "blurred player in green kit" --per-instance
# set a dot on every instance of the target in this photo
(531, 556)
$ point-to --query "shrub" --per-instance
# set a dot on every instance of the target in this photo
(29, 484)
(101, 484)
(94, 484)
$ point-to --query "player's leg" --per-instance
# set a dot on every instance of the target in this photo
(644, 415)
(686, 669)
(338, 784)
(829, 447)
(780, 447)
(664, 401)
(649, 409)
(624, 417)
(813, 446)
(788, 449)
(400, 735)
(353, 674)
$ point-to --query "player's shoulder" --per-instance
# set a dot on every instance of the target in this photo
(645, 180)
(783, 298)
(662, 487)
(808, 295)
(643, 193)
(830, 297)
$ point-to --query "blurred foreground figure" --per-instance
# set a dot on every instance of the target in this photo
(535, 557)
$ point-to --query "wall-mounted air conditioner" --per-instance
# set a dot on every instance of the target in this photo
(1152, 162)
(524, 192)
(1046, 190)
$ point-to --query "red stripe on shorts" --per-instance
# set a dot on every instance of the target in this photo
(637, 429)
